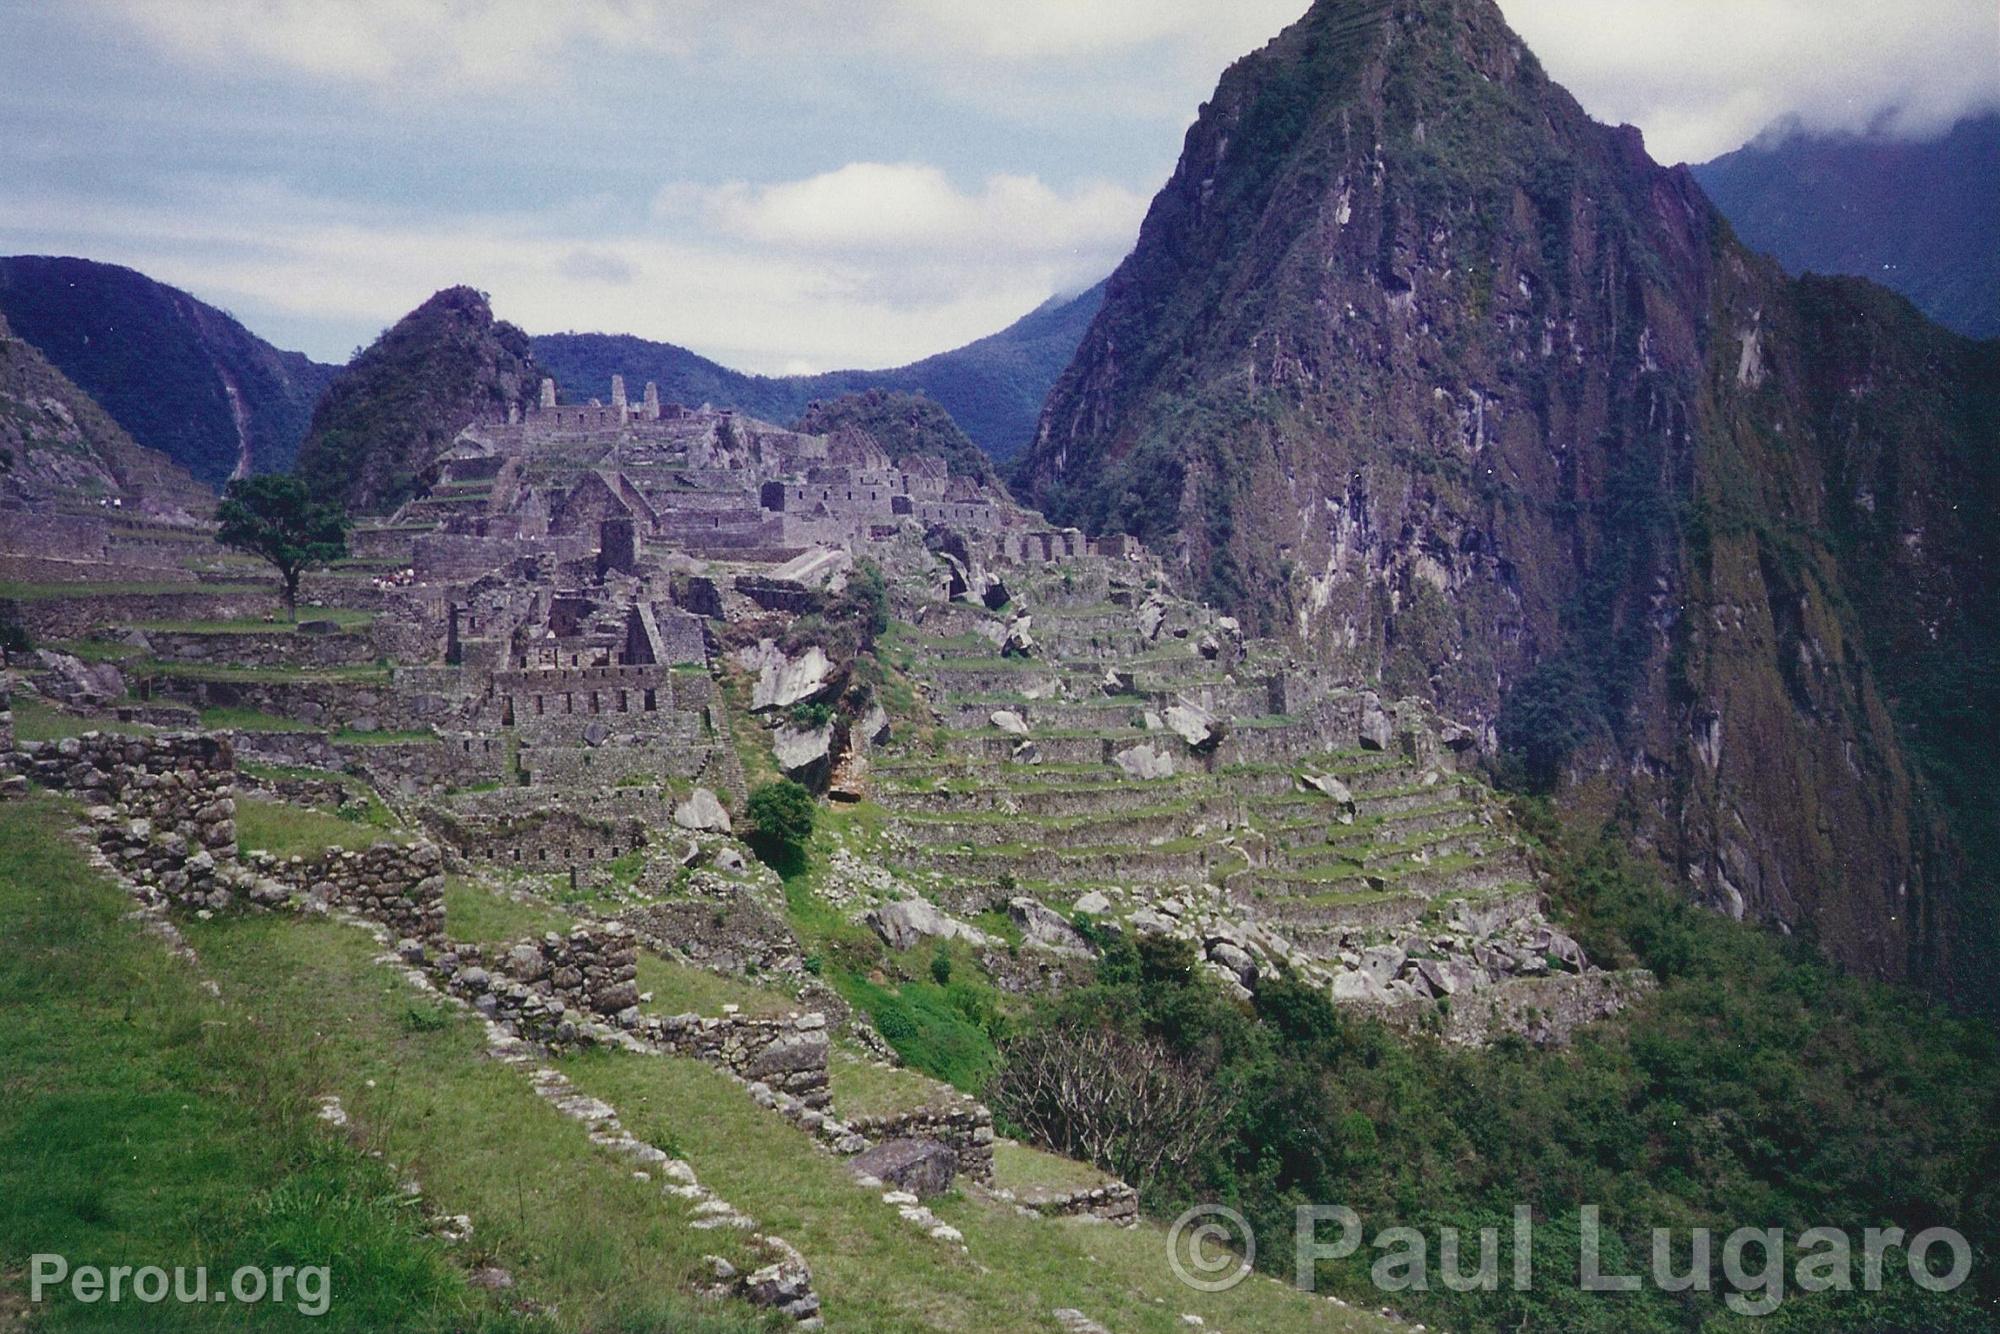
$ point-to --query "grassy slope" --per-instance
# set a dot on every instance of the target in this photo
(142, 1121)
(147, 1122)
(876, 1272)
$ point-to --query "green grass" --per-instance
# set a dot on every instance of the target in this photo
(1022, 1168)
(878, 1273)
(347, 736)
(28, 592)
(35, 720)
(479, 915)
(680, 988)
(577, 1232)
(863, 1088)
(145, 1122)
(286, 830)
(250, 720)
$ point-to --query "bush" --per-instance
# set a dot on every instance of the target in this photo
(781, 819)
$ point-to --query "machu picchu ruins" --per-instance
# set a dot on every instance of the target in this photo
(544, 687)
(1083, 668)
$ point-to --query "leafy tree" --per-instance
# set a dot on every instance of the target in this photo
(781, 818)
(275, 519)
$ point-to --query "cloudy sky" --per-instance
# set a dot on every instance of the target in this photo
(780, 184)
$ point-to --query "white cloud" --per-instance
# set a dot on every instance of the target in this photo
(1703, 76)
(908, 207)
(415, 47)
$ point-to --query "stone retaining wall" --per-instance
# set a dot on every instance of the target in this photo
(400, 886)
(164, 806)
(1114, 1202)
(78, 617)
(276, 647)
(966, 1129)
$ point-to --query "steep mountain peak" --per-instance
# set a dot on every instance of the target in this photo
(398, 404)
(1415, 361)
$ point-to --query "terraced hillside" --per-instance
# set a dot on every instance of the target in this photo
(1148, 767)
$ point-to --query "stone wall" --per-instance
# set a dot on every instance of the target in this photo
(164, 806)
(966, 1129)
(400, 886)
(591, 970)
(80, 617)
(276, 647)
(720, 923)
(787, 1053)
(1114, 1202)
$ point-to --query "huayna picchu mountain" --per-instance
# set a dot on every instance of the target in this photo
(1415, 360)
(178, 375)
(396, 406)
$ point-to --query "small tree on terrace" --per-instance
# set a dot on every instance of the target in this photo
(781, 816)
(276, 519)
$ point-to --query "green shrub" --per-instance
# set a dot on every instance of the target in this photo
(781, 818)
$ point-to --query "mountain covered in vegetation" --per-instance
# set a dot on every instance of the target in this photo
(399, 403)
(178, 375)
(905, 425)
(1416, 360)
(993, 388)
(60, 451)
(1920, 217)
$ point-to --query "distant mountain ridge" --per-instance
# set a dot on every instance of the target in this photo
(1920, 218)
(993, 387)
(180, 376)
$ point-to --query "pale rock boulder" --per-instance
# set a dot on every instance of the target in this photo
(798, 749)
(784, 681)
(1043, 926)
(1008, 721)
(1144, 761)
(910, 922)
(702, 811)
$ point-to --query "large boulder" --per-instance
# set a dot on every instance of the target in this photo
(1144, 761)
(74, 681)
(784, 681)
(910, 922)
(1377, 729)
(922, 1167)
(1008, 721)
(799, 750)
(1043, 926)
(702, 811)
(1019, 642)
(1195, 726)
